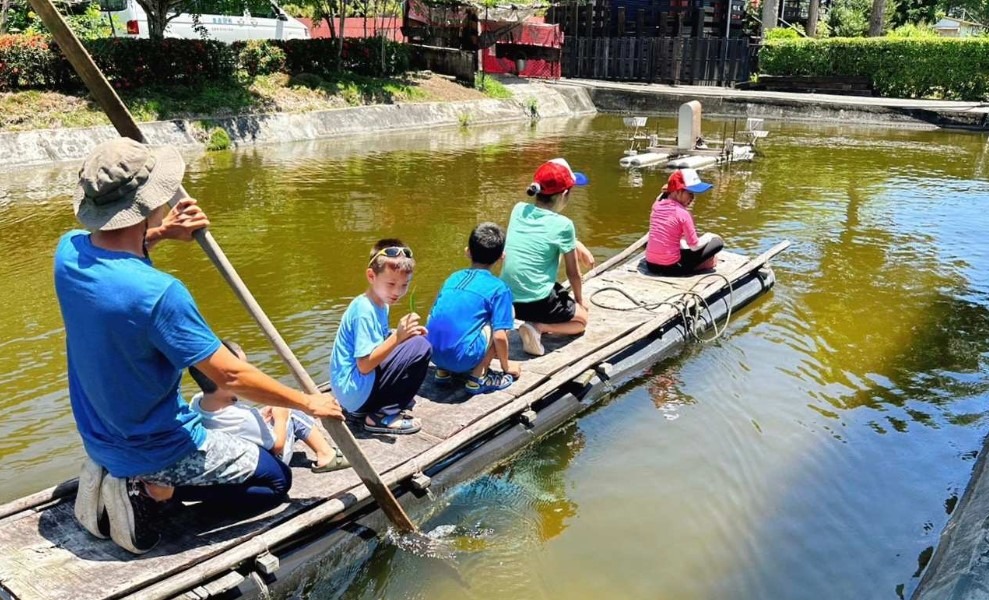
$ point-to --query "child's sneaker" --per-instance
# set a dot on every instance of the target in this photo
(492, 381)
(89, 508)
(442, 377)
(133, 514)
(532, 341)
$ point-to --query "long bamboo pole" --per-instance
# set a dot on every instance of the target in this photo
(125, 124)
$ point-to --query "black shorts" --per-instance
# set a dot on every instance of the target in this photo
(558, 307)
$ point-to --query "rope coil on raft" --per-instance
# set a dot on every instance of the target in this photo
(687, 304)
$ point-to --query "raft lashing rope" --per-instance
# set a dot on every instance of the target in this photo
(690, 305)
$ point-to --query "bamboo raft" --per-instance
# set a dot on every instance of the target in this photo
(44, 553)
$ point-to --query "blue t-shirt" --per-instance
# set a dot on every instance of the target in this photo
(130, 330)
(362, 329)
(469, 300)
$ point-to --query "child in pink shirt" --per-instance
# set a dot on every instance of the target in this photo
(671, 223)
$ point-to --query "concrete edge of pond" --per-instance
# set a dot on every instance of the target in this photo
(959, 568)
(617, 97)
(48, 146)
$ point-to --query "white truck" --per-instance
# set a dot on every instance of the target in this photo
(221, 21)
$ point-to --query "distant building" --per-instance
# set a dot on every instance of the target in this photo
(957, 28)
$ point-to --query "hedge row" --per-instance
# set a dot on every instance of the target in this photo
(955, 69)
(34, 62)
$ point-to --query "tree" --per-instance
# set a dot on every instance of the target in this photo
(4, 9)
(878, 21)
(161, 12)
(813, 14)
(770, 14)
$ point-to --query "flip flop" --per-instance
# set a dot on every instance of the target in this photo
(336, 463)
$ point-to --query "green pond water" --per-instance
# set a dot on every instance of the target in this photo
(814, 452)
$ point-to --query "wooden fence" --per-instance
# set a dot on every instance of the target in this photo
(461, 64)
(694, 61)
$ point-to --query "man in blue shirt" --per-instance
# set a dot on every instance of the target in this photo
(469, 324)
(130, 331)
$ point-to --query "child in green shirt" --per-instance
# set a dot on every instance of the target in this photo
(538, 235)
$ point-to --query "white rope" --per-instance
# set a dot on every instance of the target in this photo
(688, 306)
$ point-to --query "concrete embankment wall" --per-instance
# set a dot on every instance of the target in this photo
(807, 108)
(959, 569)
(42, 147)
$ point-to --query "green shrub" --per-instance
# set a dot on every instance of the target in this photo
(34, 62)
(913, 31)
(783, 33)
(218, 140)
(913, 67)
(27, 62)
(492, 87)
(259, 57)
(134, 63)
(374, 56)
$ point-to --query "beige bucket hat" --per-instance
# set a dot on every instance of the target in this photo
(122, 182)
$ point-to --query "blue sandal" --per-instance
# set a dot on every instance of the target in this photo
(492, 381)
(399, 424)
(442, 377)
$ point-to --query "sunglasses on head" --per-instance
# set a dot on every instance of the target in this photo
(391, 252)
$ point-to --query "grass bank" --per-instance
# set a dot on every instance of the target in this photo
(27, 110)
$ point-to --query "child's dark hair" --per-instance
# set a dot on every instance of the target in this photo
(379, 262)
(486, 243)
(547, 199)
(207, 385)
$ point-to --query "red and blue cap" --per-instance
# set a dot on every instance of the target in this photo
(555, 176)
(687, 179)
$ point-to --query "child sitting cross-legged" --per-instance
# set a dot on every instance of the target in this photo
(375, 372)
(472, 316)
(274, 429)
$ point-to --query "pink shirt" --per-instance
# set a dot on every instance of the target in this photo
(669, 223)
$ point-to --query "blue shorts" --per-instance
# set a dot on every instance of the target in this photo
(301, 423)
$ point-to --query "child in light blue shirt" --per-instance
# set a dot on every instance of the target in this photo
(375, 372)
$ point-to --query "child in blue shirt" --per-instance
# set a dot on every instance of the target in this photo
(375, 372)
(470, 321)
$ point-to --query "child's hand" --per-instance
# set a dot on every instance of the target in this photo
(514, 369)
(408, 326)
(584, 256)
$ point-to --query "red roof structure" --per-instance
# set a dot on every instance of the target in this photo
(354, 27)
(507, 35)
